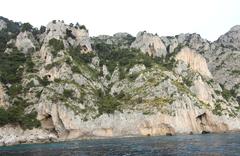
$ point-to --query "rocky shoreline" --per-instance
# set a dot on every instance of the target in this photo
(185, 122)
(51, 138)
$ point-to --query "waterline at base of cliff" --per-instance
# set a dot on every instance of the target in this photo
(209, 144)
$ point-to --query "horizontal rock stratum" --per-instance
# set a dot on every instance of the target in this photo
(58, 83)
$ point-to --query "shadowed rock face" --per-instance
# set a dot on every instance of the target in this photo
(3, 24)
(231, 38)
(208, 124)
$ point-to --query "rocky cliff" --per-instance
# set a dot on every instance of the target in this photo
(57, 83)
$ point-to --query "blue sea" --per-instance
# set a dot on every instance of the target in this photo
(181, 145)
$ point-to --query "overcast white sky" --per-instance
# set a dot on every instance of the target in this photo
(209, 18)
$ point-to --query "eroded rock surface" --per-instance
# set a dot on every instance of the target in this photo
(231, 38)
(102, 87)
(194, 60)
(150, 44)
(26, 42)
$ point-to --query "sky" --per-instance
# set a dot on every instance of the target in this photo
(209, 18)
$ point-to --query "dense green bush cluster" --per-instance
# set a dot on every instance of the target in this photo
(133, 77)
(69, 34)
(108, 104)
(44, 81)
(10, 67)
(68, 93)
(82, 27)
(218, 109)
(26, 27)
(56, 45)
(76, 54)
(227, 94)
(5, 36)
(15, 115)
(11, 70)
(112, 55)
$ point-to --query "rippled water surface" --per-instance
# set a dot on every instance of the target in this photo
(209, 144)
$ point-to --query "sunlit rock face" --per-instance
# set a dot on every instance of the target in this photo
(194, 60)
(71, 35)
(26, 42)
(150, 44)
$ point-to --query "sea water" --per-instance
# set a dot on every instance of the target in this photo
(181, 145)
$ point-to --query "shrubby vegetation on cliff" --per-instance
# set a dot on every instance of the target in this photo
(101, 76)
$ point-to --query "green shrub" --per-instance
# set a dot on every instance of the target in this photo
(82, 27)
(227, 94)
(10, 71)
(76, 54)
(30, 121)
(30, 84)
(14, 90)
(108, 104)
(56, 45)
(99, 93)
(120, 95)
(30, 65)
(236, 72)
(68, 93)
(113, 56)
(54, 64)
(181, 87)
(108, 77)
(44, 81)
(75, 69)
(57, 80)
(133, 77)
(42, 29)
(217, 110)
(139, 100)
(122, 73)
(147, 62)
(187, 81)
(3, 117)
(26, 27)
(5, 36)
(69, 34)
(15, 115)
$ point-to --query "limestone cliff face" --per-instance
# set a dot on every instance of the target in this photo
(150, 44)
(203, 91)
(104, 86)
(70, 36)
(231, 38)
(26, 43)
(74, 35)
(194, 60)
